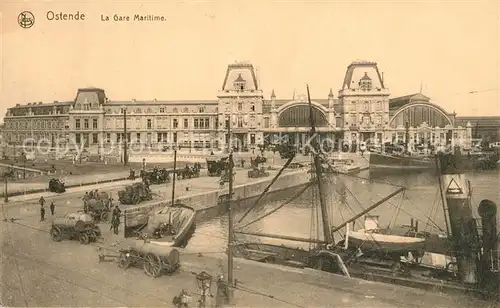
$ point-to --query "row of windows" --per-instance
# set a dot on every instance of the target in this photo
(199, 109)
(86, 124)
(36, 125)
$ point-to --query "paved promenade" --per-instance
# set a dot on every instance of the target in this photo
(36, 271)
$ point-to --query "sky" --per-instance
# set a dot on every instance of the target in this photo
(448, 48)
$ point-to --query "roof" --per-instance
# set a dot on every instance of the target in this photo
(239, 79)
(492, 121)
(398, 102)
(266, 107)
(40, 104)
(157, 102)
(365, 77)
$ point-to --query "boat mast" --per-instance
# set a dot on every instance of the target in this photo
(230, 235)
(317, 167)
(407, 136)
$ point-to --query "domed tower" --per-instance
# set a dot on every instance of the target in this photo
(240, 102)
(364, 101)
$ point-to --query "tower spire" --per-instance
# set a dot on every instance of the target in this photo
(421, 85)
(272, 94)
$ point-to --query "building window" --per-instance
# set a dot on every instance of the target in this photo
(94, 138)
(118, 138)
(108, 137)
(175, 123)
(201, 109)
(159, 137)
(252, 107)
(186, 123)
(77, 124)
(202, 123)
(138, 137)
(252, 138)
(162, 110)
(86, 123)
(149, 124)
(240, 122)
(240, 106)
(94, 123)
(78, 138)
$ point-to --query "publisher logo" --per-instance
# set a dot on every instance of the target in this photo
(26, 19)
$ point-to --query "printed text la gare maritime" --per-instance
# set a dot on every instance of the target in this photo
(137, 17)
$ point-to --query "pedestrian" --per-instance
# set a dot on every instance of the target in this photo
(41, 201)
(52, 208)
(42, 213)
(115, 220)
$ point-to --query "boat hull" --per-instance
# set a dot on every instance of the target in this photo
(182, 219)
(385, 243)
(383, 161)
(387, 162)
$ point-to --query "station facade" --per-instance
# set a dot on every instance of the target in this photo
(362, 111)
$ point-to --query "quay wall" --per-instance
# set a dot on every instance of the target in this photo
(215, 200)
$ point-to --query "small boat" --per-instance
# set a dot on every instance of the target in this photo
(345, 165)
(384, 242)
(172, 225)
(398, 161)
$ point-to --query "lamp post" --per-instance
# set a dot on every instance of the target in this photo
(24, 164)
(204, 281)
(6, 175)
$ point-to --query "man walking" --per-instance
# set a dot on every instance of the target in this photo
(115, 219)
(42, 213)
(52, 208)
(41, 201)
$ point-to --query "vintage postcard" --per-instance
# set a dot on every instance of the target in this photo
(249, 153)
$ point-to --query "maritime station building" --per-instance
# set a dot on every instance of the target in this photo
(362, 111)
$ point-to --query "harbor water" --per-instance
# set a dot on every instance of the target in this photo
(345, 196)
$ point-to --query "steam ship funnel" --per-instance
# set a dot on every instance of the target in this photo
(487, 210)
(456, 190)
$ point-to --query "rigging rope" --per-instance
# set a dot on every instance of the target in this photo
(295, 196)
(267, 188)
(398, 210)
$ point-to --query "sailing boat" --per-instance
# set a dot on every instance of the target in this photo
(174, 224)
(324, 249)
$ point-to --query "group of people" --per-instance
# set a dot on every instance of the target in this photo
(42, 208)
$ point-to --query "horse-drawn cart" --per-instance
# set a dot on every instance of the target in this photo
(98, 206)
(155, 259)
(216, 166)
(56, 185)
(75, 226)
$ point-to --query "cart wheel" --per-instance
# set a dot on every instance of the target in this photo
(152, 265)
(104, 216)
(84, 238)
(56, 235)
(125, 261)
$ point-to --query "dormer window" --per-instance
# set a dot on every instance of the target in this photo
(365, 83)
(239, 83)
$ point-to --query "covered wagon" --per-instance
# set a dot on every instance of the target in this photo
(155, 260)
(75, 226)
